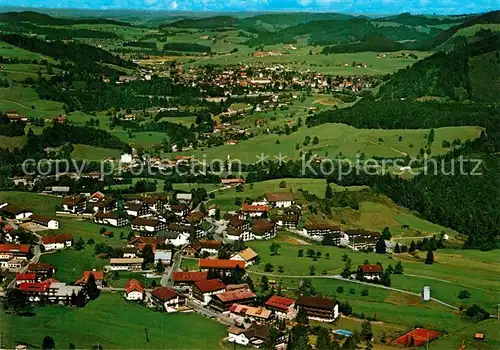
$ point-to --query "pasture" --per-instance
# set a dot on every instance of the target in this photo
(91, 153)
(25, 100)
(126, 325)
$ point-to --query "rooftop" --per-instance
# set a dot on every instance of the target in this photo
(207, 286)
(189, 276)
(320, 303)
(223, 264)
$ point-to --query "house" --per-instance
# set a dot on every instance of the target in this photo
(111, 219)
(137, 209)
(165, 256)
(176, 239)
(155, 204)
(182, 228)
(105, 205)
(28, 277)
(232, 182)
(317, 231)
(283, 307)
(195, 218)
(98, 276)
(60, 191)
(51, 291)
(318, 309)
(286, 220)
(239, 234)
(222, 265)
(74, 204)
(167, 298)
(15, 212)
(57, 241)
(241, 313)
(182, 279)
(180, 210)
(148, 227)
(134, 290)
(223, 301)
(237, 223)
(210, 247)
(263, 229)
(371, 271)
(42, 271)
(96, 197)
(254, 210)
(129, 252)
(256, 336)
(247, 255)
(126, 264)
(185, 198)
(279, 200)
(51, 224)
(8, 251)
(204, 290)
(361, 240)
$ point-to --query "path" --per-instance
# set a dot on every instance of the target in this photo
(25, 107)
(449, 282)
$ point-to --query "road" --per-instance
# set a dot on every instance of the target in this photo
(208, 313)
(166, 279)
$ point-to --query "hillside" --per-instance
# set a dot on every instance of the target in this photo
(458, 75)
(422, 20)
(44, 19)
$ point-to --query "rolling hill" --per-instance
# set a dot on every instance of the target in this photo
(44, 19)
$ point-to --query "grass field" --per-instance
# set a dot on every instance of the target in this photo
(7, 50)
(190, 265)
(335, 139)
(465, 337)
(70, 263)
(13, 142)
(85, 152)
(125, 276)
(22, 99)
(39, 203)
(125, 324)
(451, 272)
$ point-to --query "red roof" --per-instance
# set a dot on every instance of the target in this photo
(208, 286)
(26, 277)
(221, 264)
(236, 295)
(15, 248)
(279, 302)
(418, 336)
(189, 276)
(376, 268)
(164, 293)
(134, 285)
(62, 238)
(254, 208)
(40, 267)
(98, 275)
(39, 287)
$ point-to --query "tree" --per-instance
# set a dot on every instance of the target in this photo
(90, 241)
(160, 268)
(268, 268)
(328, 192)
(301, 317)
(464, 294)
(148, 256)
(327, 255)
(91, 287)
(380, 246)
(398, 269)
(315, 140)
(300, 253)
(274, 248)
(48, 343)
(17, 301)
(366, 331)
(386, 233)
(413, 247)
(429, 260)
(311, 253)
(430, 139)
(477, 312)
(264, 283)
(397, 249)
(340, 289)
(281, 269)
(364, 292)
(323, 342)
(345, 257)
(312, 270)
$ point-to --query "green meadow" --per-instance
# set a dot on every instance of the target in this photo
(126, 327)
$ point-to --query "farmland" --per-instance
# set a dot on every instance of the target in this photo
(124, 327)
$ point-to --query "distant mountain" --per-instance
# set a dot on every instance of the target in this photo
(374, 42)
(470, 72)
(43, 19)
(203, 23)
(422, 20)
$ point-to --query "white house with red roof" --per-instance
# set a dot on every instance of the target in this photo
(57, 241)
(134, 290)
(167, 298)
(25, 278)
(204, 290)
(283, 307)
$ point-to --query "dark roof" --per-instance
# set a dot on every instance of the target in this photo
(321, 226)
(164, 293)
(320, 303)
(145, 222)
(235, 221)
(73, 200)
(234, 231)
(13, 209)
(189, 276)
(178, 227)
(361, 232)
(262, 226)
(39, 218)
(107, 215)
(168, 234)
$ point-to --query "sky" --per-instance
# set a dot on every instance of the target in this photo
(349, 6)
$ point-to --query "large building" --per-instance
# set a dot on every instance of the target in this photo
(317, 231)
(223, 301)
(57, 241)
(279, 200)
(206, 289)
(148, 227)
(319, 309)
(361, 239)
(51, 224)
